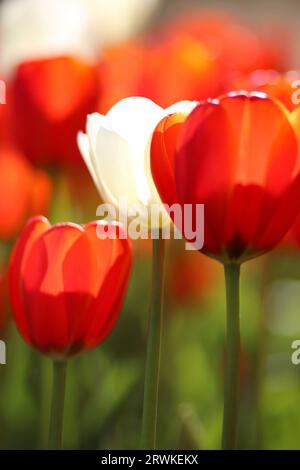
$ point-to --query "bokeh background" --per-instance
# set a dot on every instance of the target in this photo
(61, 60)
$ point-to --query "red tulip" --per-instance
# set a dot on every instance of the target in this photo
(284, 88)
(238, 156)
(66, 285)
(50, 101)
(25, 191)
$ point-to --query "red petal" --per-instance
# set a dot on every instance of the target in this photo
(58, 267)
(163, 147)
(113, 258)
(31, 232)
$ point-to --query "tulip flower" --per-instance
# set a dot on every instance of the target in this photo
(237, 155)
(25, 191)
(124, 135)
(116, 151)
(50, 98)
(66, 288)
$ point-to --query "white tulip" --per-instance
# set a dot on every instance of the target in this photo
(116, 150)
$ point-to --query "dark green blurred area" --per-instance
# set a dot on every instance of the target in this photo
(105, 386)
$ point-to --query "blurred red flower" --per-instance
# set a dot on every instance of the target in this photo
(194, 57)
(25, 191)
(173, 69)
(188, 279)
(183, 69)
(50, 101)
(238, 156)
(123, 70)
(66, 285)
(236, 46)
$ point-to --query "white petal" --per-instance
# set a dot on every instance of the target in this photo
(85, 150)
(114, 167)
(134, 114)
(134, 119)
(93, 124)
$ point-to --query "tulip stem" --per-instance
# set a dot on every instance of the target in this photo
(148, 437)
(57, 406)
(231, 386)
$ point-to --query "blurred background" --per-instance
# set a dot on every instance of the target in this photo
(61, 60)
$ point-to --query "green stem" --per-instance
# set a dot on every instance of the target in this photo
(231, 391)
(148, 437)
(57, 406)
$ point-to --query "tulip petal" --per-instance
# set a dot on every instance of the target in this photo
(122, 144)
(112, 267)
(181, 108)
(21, 253)
(85, 150)
(44, 286)
(163, 148)
(93, 125)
